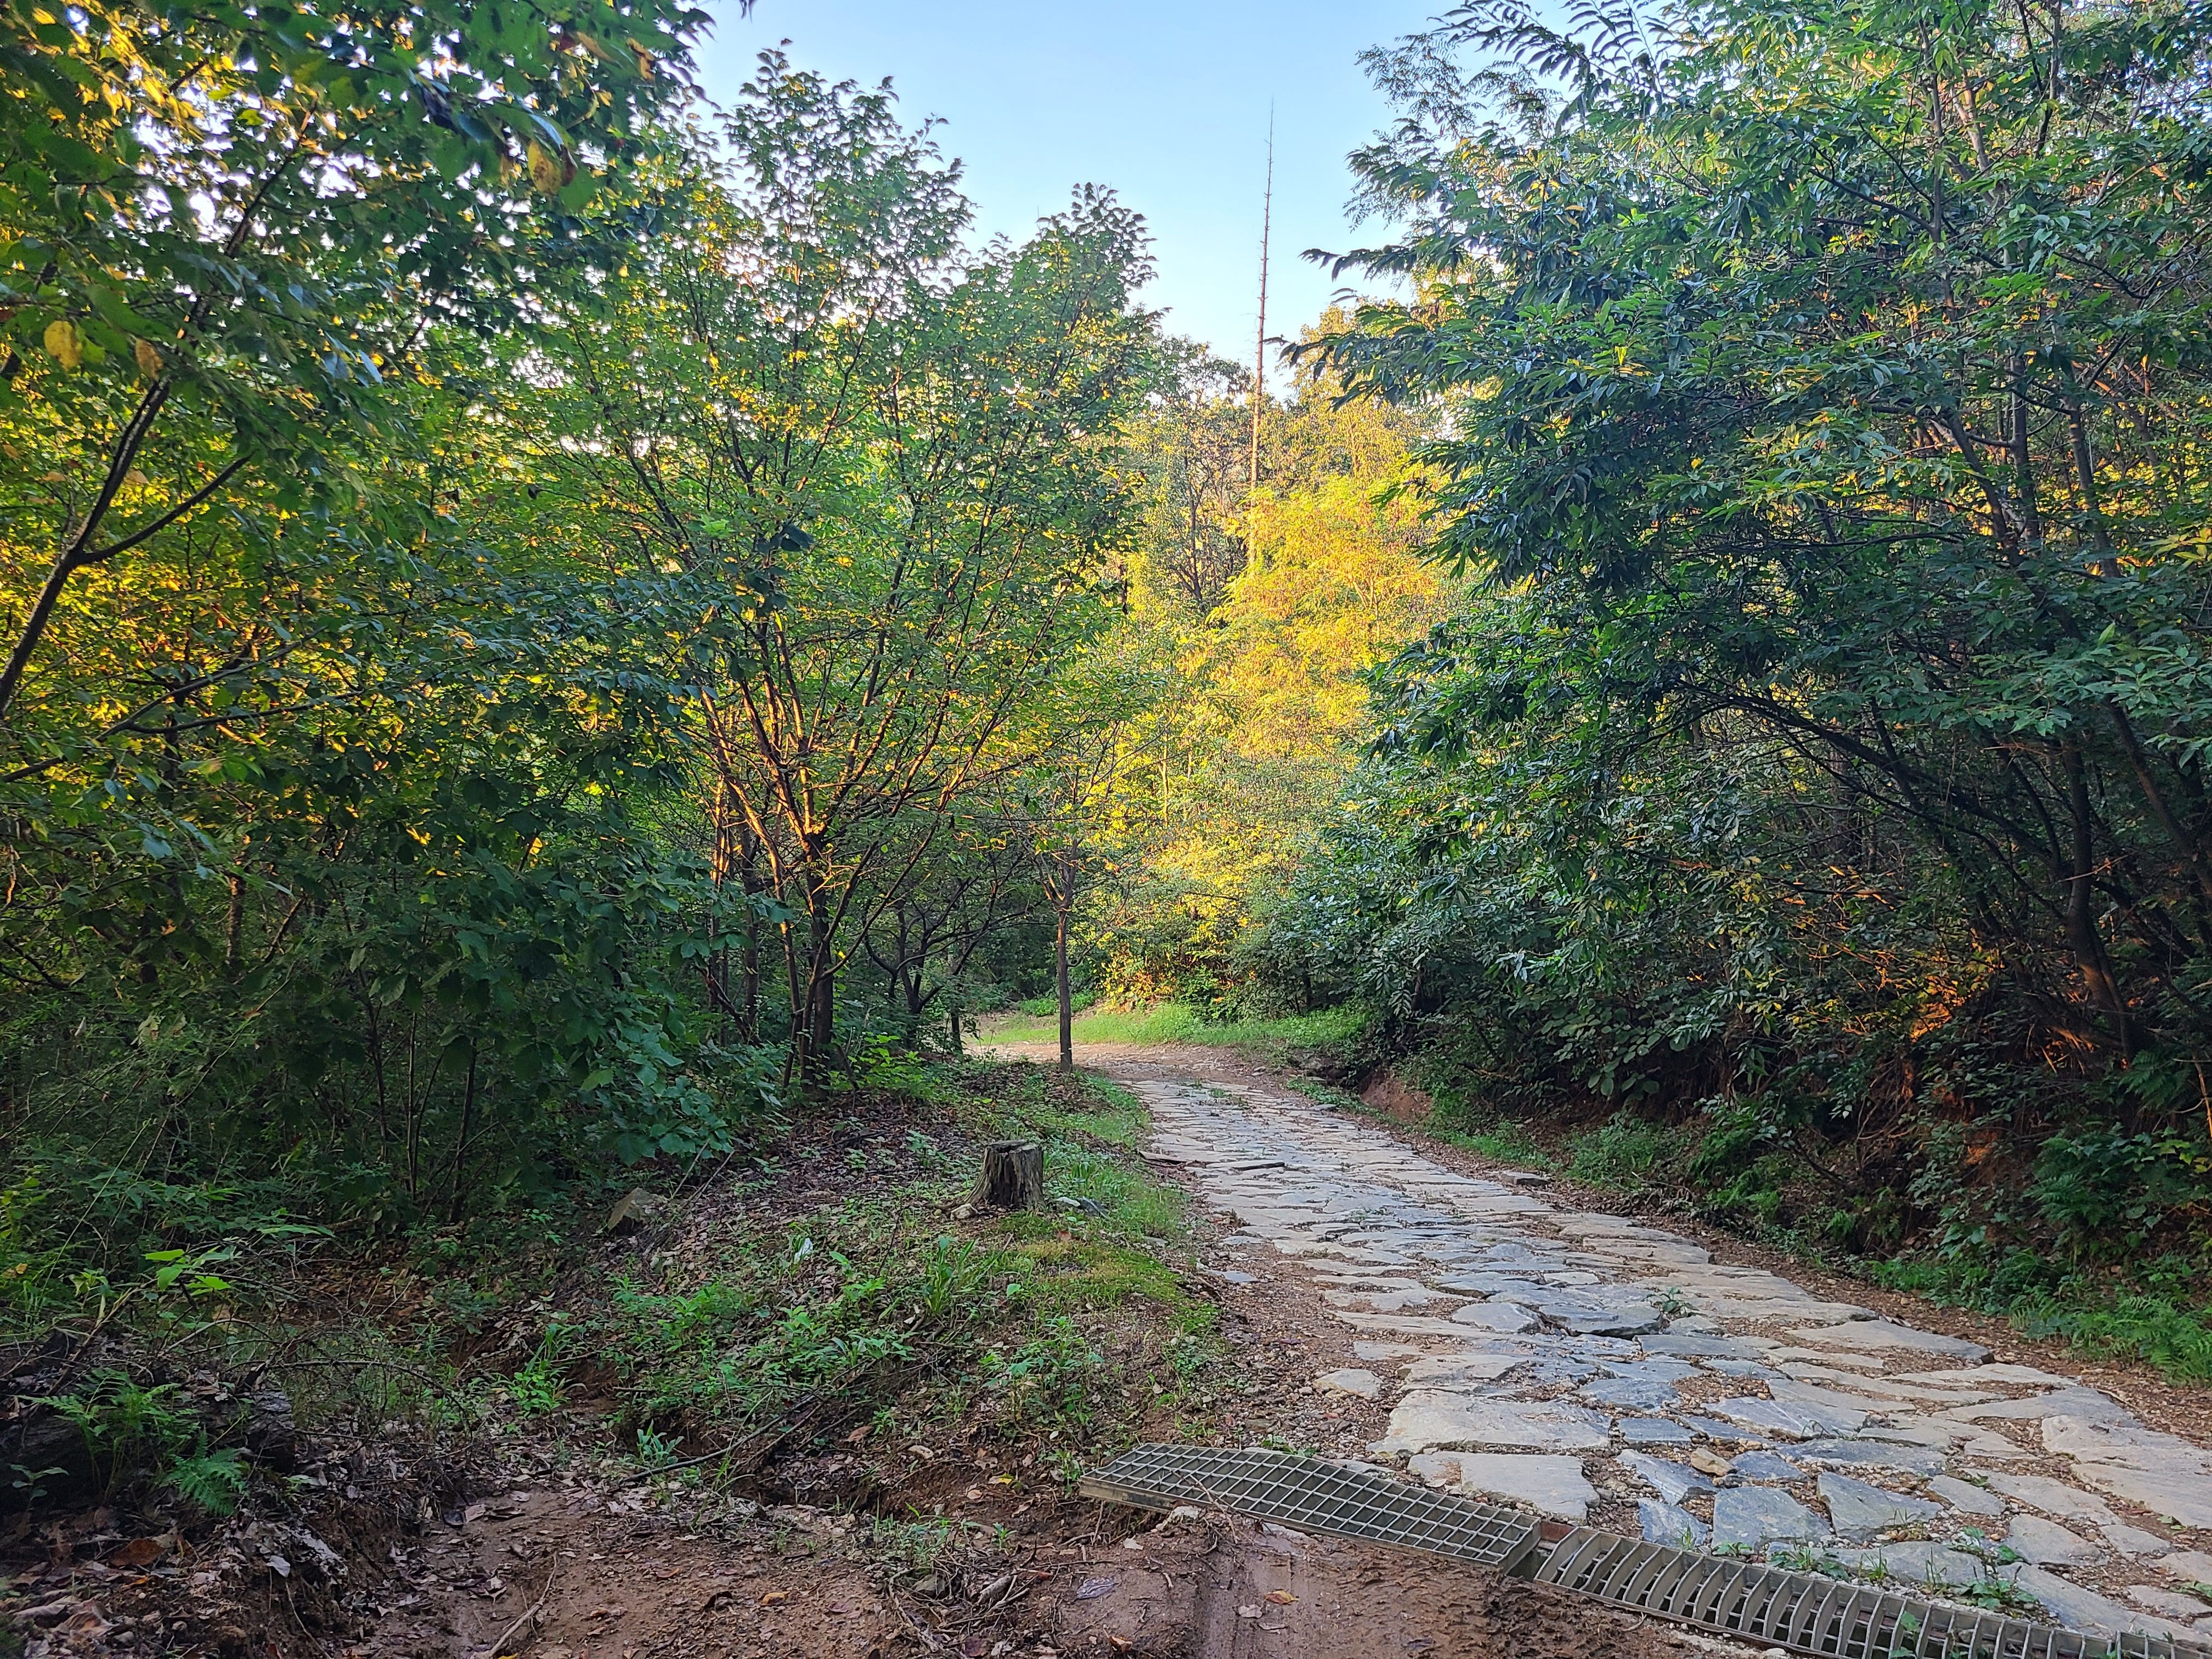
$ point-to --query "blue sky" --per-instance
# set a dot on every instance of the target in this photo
(1165, 102)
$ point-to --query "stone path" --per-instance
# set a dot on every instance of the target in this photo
(1574, 1362)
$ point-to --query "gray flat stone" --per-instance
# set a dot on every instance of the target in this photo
(1436, 1330)
(1663, 1523)
(1755, 1517)
(1873, 1454)
(2187, 1566)
(1792, 1419)
(2001, 1371)
(1856, 1506)
(1550, 1485)
(1634, 1392)
(2170, 1603)
(1910, 1431)
(2167, 1475)
(1713, 1429)
(1653, 1431)
(1651, 1370)
(1458, 1371)
(1374, 1351)
(2133, 1541)
(2050, 1545)
(2085, 1610)
(1584, 1319)
(2054, 1498)
(1965, 1495)
(1394, 1301)
(1507, 1318)
(1365, 1385)
(1841, 1405)
(1508, 1286)
(1695, 1345)
(1927, 1567)
(1876, 1335)
(2087, 1404)
(1428, 1419)
(1672, 1481)
(1766, 1466)
(1743, 1367)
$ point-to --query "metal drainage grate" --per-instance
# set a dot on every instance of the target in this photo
(1346, 1500)
(1818, 1615)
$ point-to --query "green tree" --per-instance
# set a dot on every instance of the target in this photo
(223, 229)
(865, 458)
(1826, 401)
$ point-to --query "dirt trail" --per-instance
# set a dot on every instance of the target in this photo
(1397, 1303)
(1516, 1344)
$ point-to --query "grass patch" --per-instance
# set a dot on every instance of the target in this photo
(1175, 1021)
(887, 1306)
(1048, 1007)
(1090, 1130)
(2112, 1321)
(1623, 1152)
(1504, 1142)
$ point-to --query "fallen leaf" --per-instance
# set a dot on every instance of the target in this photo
(1092, 1587)
(773, 1596)
(139, 1552)
(280, 1567)
(1281, 1598)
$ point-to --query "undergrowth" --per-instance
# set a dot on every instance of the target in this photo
(778, 1322)
(890, 1311)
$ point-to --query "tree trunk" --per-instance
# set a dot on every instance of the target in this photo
(749, 962)
(1059, 977)
(820, 1013)
(1012, 1178)
(2082, 934)
(722, 865)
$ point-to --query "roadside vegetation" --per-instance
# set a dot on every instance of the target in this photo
(788, 1326)
(1800, 811)
(564, 649)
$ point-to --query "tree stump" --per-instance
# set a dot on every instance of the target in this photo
(1012, 1176)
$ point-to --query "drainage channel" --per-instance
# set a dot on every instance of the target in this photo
(1772, 1606)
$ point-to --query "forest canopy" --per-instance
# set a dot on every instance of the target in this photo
(1818, 764)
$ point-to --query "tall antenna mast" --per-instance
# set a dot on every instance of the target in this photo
(1260, 348)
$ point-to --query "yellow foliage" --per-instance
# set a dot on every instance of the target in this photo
(1273, 714)
(547, 174)
(64, 343)
(1332, 585)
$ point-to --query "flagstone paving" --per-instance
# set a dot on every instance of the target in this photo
(1554, 1356)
